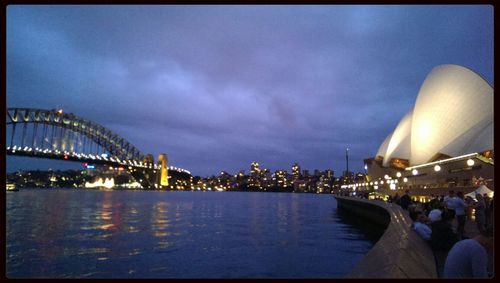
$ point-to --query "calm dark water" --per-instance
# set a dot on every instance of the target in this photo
(133, 234)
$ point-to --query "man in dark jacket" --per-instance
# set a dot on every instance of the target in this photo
(442, 237)
(405, 200)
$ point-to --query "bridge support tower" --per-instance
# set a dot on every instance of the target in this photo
(162, 176)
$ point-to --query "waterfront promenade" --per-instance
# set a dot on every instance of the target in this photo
(400, 252)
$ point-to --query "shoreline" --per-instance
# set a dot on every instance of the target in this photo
(400, 252)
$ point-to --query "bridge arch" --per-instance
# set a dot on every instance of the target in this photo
(107, 139)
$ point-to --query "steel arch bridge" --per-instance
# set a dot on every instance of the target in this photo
(54, 134)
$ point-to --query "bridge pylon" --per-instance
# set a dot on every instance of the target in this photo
(162, 176)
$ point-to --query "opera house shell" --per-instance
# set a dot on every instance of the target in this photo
(452, 116)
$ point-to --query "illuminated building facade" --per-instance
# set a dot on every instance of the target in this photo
(280, 178)
(445, 141)
(254, 180)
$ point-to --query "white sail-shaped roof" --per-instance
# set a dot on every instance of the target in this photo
(399, 145)
(383, 148)
(453, 115)
(477, 139)
(483, 141)
(452, 100)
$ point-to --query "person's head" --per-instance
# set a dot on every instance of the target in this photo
(460, 195)
(421, 218)
(451, 193)
(485, 238)
(479, 197)
(435, 215)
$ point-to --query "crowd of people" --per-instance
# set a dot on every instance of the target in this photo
(466, 258)
(451, 207)
(433, 220)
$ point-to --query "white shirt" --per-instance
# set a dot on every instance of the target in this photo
(423, 230)
(450, 202)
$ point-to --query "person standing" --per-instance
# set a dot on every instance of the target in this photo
(405, 200)
(470, 205)
(480, 213)
(396, 199)
(460, 212)
(449, 202)
(442, 237)
(434, 203)
(487, 201)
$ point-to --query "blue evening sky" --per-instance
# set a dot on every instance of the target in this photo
(217, 87)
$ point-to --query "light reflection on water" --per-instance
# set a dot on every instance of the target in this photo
(133, 234)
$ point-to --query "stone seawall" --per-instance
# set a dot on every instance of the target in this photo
(400, 252)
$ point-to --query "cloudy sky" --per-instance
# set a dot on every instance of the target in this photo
(217, 87)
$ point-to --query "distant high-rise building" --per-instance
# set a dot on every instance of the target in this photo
(254, 168)
(266, 178)
(306, 173)
(280, 177)
(296, 171)
(254, 180)
(329, 173)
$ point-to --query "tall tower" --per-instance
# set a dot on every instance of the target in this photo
(347, 162)
(163, 176)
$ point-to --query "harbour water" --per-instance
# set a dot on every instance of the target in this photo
(76, 233)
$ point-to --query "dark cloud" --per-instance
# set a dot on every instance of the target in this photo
(216, 87)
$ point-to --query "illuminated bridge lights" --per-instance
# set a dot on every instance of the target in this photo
(67, 155)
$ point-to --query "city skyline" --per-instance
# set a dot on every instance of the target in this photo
(217, 87)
